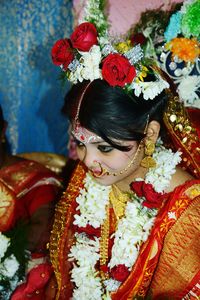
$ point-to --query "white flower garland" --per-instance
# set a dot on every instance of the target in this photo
(166, 161)
(92, 210)
(133, 229)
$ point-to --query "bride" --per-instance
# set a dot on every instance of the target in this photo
(127, 226)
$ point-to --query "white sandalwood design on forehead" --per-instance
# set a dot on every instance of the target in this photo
(83, 135)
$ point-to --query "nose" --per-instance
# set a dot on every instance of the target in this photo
(89, 158)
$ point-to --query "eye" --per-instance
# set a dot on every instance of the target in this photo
(105, 148)
(78, 143)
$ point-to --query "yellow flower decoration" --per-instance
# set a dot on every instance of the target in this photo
(186, 49)
(123, 46)
(142, 74)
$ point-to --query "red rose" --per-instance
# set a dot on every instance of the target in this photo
(153, 198)
(104, 268)
(138, 38)
(84, 36)
(136, 186)
(117, 70)
(146, 190)
(120, 272)
(62, 53)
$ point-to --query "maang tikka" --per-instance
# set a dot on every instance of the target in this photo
(79, 132)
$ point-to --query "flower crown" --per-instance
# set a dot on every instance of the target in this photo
(91, 54)
(181, 52)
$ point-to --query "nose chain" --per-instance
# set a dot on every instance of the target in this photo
(104, 171)
(128, 166)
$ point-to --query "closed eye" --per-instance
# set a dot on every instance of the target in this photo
(105, 148)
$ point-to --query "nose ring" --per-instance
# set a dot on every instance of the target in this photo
(102, 172)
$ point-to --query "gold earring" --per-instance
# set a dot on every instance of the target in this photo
(148, 161)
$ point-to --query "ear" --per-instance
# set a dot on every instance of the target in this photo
(153, 130)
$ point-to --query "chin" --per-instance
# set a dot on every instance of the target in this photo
(105, 180)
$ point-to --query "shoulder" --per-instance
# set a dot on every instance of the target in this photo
(179, 178)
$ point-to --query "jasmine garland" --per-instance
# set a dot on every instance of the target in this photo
(132, 230)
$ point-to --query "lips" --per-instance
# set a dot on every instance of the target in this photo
(97, 173)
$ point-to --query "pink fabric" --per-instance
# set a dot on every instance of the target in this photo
(123, 14)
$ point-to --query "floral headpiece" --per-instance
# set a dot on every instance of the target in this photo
(91, 54)
(180, 56)
(172, 39)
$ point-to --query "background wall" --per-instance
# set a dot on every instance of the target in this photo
(30, 92)
(127, 12)
(124, 13)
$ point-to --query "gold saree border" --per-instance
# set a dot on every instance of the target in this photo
(61, 224)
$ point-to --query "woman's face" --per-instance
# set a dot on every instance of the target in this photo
(107, 164)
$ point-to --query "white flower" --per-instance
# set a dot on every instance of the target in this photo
(9, 267)
(90, 62)
(187, 90)
(87, 67)
(172, 215)
(112, 284)
(149, 89)
(76, 76)
(85, 252)
(4, 244)
(166, 162)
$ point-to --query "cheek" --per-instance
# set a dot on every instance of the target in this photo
(118, 161)
(80, 152)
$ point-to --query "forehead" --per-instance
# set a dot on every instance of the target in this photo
(85, 136)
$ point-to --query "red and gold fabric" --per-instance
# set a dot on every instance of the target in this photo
(25, 186)
(167, 265)
(183, 128)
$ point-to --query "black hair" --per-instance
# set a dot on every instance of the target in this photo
(111, 113)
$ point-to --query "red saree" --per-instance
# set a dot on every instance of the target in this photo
(28, 191)
(168, 263)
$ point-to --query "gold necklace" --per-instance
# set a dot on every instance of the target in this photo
(118, 200)
(104, 243)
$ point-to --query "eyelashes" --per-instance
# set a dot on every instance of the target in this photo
(105, 148)
(101, 148)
